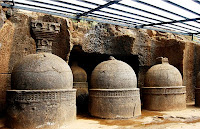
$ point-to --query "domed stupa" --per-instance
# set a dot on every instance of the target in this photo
(114, 93)
(80, 83)
(41, 94)
(163, 89)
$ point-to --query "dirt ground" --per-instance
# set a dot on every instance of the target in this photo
(185, 119)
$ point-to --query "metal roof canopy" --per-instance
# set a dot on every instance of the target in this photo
(174, 16)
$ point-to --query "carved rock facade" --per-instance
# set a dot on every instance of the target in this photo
(114, 93)
(41, 94)
(45, 33)
(163, 89)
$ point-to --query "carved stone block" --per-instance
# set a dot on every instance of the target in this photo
(164, 98)
(45, 109)
(115, 103)
(45, 34)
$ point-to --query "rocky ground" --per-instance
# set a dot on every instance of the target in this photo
(185, 119)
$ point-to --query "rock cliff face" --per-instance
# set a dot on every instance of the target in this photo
(137, 46)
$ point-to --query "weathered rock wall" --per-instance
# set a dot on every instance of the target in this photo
(17, 40)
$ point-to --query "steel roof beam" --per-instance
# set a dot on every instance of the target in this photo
(41, 2)
(43, 7)
(37, 10)
(174, 21)
(70, 16)
(150, 5)
(172, 3)
(124, 16)
(132, 14)
(118, 19)
(195, 33)
(64, 2)
(119, 15)
(112, 13)
(98, 8)
(115, 18)
(122, 20)
(123, 11)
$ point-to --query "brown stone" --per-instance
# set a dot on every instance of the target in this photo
(113, 93)
(163, 75)
(115, 103)
(41, 71)
(113, 74)
(6, 40)
(61, 45)
(2, 17)
(80, 83)
(164, 98)
(4, 85)
(45, 33)
(163, 89)
(79, 74)
(45, 109)
(197, 97)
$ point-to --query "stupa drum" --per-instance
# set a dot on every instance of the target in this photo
(163, 89)
(80, 83)
(114, 93)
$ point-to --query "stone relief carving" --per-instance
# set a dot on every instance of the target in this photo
(45, 34)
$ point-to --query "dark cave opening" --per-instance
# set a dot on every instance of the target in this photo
(88, 61)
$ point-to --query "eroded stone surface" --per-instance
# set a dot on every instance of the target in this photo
(79, 74)
(113, 74)
(43, 109)
(42, 71)
(80, 83)
(163, 75)
(113, 93)
(163, 89)
(164, 98)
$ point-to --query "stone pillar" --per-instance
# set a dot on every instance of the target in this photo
(41, 94)
(45, 33)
